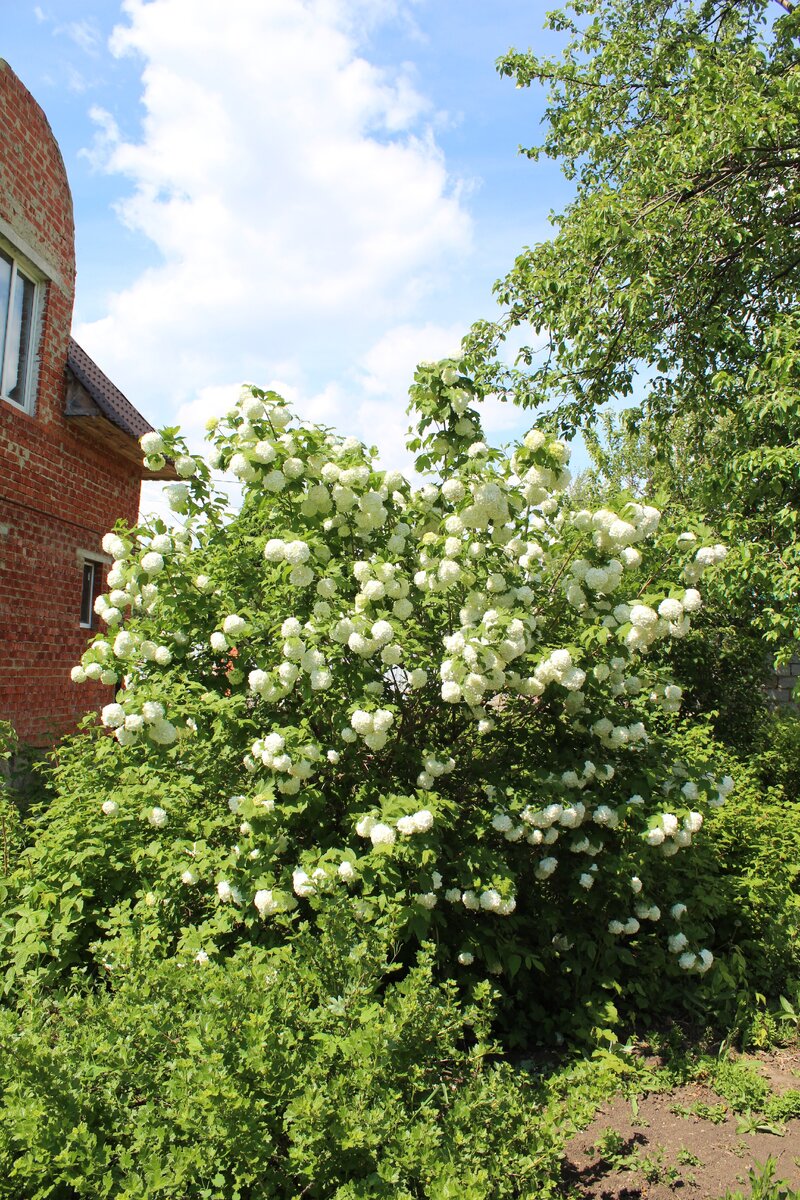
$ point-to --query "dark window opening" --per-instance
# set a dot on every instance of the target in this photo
(87, 595)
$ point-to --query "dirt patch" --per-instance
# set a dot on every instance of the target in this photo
(685, 1142)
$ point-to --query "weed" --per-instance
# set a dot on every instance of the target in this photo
(715, 1113)
(764, 1185)
(740, 1085)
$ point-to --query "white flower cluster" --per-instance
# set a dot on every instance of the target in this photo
(128, 726)
(490, 900)
(418, 822)
(372, 727)
(433, 768)
(300, 657)
(292, 770)
(706, 556)
(672, 834)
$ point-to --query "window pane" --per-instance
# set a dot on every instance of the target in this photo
(87, 596)
(5, 292)
(18, 339)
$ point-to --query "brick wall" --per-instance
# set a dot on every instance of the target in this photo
(58, 491)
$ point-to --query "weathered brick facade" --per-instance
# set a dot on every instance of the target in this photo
(61, 485)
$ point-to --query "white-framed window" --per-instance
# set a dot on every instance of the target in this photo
(19, 315)
(91, 565)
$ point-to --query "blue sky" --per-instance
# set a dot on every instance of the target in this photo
(309, 194)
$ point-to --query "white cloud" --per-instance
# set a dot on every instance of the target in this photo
(298, 199)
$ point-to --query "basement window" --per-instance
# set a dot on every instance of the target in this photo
(18, 317)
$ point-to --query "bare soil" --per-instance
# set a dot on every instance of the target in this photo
(664, 1150)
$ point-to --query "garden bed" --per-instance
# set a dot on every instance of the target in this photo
(687, 1141)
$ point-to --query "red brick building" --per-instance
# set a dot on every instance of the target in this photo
(70, 463)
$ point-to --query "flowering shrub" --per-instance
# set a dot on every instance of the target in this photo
(437, 700)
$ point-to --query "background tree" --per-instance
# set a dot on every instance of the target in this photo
(672, 278)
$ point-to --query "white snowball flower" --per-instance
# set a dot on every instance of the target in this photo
(109, 808)
(671, 610)
(346, 871)
(302, 884)
(382, 720)
(643, 617)
(114, 545)
(706, 959)
(364, 826)
(381, 835)
(152, 443)
(362, 722)
(257, 680)
(218, 641)
(453, 490)
(275, 550)
(490, 900)
(186, 466)
(112, 716)
(297, 552)
(692, 600)
(234, 625)
(301, 576)
(546, 868)
(162, 732)
(152, 562)
(265, 902)
(677, 943)
(427, 900)
(158, 817)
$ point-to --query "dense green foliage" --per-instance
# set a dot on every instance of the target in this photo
(672, 277)
(275, 1074)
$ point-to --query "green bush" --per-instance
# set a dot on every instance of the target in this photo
(306, 1070)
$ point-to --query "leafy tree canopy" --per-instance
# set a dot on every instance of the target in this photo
(672, 278)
